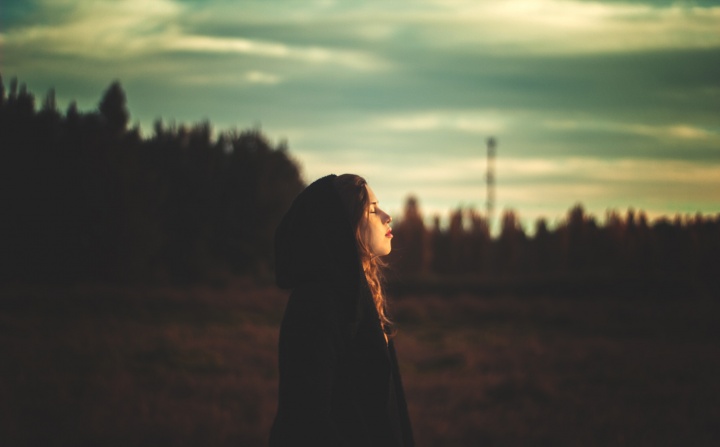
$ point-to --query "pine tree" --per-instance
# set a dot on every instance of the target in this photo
(113, 108)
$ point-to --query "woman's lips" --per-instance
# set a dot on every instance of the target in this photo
(389, 233)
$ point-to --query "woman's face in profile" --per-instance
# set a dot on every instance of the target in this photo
(375, 227)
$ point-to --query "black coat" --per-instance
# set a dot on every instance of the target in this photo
(339, 380)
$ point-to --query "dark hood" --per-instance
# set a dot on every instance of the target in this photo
(315, 242)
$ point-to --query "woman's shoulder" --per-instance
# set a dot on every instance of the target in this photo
(313, 299)
(313, 311)
(320, 289)
(313, 294)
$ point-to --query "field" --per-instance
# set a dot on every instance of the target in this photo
(131, 366)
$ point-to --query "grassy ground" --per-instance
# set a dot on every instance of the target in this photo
(99, 365)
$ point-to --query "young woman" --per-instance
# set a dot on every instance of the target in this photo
(339, 378)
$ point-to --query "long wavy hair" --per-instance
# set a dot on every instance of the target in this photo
(355, 197)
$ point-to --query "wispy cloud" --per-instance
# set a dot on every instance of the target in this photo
(315, 55)
(443, 120)
(567, 27)
(435, 169)
(677, 131)
(604, 170)
(259, 77)
(135, 28)
(228, 78)
(98, 29)
(513, 26)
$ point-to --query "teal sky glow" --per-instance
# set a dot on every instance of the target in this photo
(612, 104)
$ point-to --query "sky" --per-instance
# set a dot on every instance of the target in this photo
(612, 104)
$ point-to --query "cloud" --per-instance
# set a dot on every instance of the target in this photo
(603, 170)
(228, 78)
(572, 27)
(259, 77)
(316, 55)
(434, 169)
(443, 120)
(98, 29)
(137, 29)
(519, 27)
(674, 131)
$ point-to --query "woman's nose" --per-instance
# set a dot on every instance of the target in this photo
(389, 219)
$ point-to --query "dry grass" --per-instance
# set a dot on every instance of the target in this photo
(538, 371)
(99, 365)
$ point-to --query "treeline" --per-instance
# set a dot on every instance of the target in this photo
(622, 246)
(86, 197)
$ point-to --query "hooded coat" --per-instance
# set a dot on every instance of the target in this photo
(339, 383)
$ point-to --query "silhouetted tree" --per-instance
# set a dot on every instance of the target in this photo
(49, 104)
(12, 96)
(409, 255)
(576, 237)
(113, 108)
(25, 103)
(543, 256)
(440, 249)
(456, 236)
(478, 244)
(510, 243)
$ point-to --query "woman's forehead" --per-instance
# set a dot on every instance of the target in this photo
(371, 195)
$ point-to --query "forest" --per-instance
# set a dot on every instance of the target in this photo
(87, 197)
